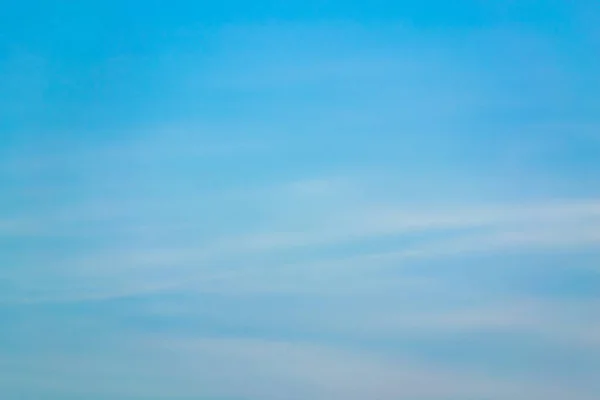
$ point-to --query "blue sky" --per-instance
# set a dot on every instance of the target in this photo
(300, 200)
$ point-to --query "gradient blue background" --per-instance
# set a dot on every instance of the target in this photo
(261, 200)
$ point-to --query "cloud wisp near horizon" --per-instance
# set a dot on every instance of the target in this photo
(310, 200)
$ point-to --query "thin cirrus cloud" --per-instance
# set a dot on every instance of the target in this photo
(432, 234)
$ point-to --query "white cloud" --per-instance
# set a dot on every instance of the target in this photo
(268, 259)
(498, 225)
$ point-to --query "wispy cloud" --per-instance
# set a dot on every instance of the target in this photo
(320, 218)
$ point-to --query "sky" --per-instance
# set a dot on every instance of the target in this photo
(316, 199)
